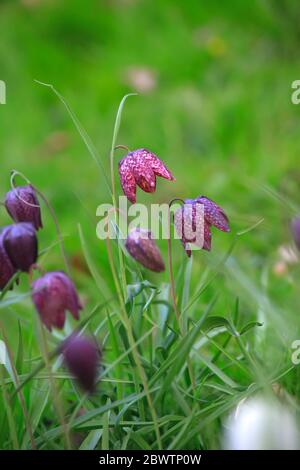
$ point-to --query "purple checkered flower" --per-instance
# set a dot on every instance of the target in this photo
(196, 229)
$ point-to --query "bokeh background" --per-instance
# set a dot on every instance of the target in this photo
(214, 82)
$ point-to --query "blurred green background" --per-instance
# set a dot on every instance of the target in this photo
(214, 82)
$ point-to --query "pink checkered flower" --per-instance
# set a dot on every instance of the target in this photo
(193, 222)
(141, 167)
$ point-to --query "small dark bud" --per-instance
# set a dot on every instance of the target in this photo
(23, 206)
(143, 249)
(82, 358)
(21, 245)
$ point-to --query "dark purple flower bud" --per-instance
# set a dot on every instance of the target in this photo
(82, 357)
(295, 226)
(21, 245)
(143, 249)
(52, 295)
(23, 206)
(193, 222)
(141, 167)
(6, 268)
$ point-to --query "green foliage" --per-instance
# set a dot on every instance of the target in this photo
(220, 116)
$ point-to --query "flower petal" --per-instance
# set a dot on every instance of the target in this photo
(127, 180)
(214, 214)
(157, 165)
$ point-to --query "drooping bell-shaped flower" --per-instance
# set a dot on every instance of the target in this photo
(21, 245)
(143, 249)
(82, 358)
(52, 295)
(23, 206)
(7, 270)
(193, 222)
(295, 226)
(141, 167)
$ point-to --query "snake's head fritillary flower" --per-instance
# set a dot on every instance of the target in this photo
(143, 249)
(21, 245)
(141, 167)
(23, 206)
(52, 295)
(295, 226)
(193, 222)
(82, 357)
(7, 270)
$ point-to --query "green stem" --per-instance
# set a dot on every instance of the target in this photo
(9, 412)
(173, 292)
(135, 353)
(20, 393)
(113, 187)
(55, 395)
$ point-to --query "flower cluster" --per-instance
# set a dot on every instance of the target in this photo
(140, 168)
(53, 293)
(18, 242)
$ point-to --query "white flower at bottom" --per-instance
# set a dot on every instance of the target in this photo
(261, 424)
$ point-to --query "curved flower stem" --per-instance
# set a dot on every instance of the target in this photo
(132, 342)
(15, 173)
(20, 392)
(173, 292)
